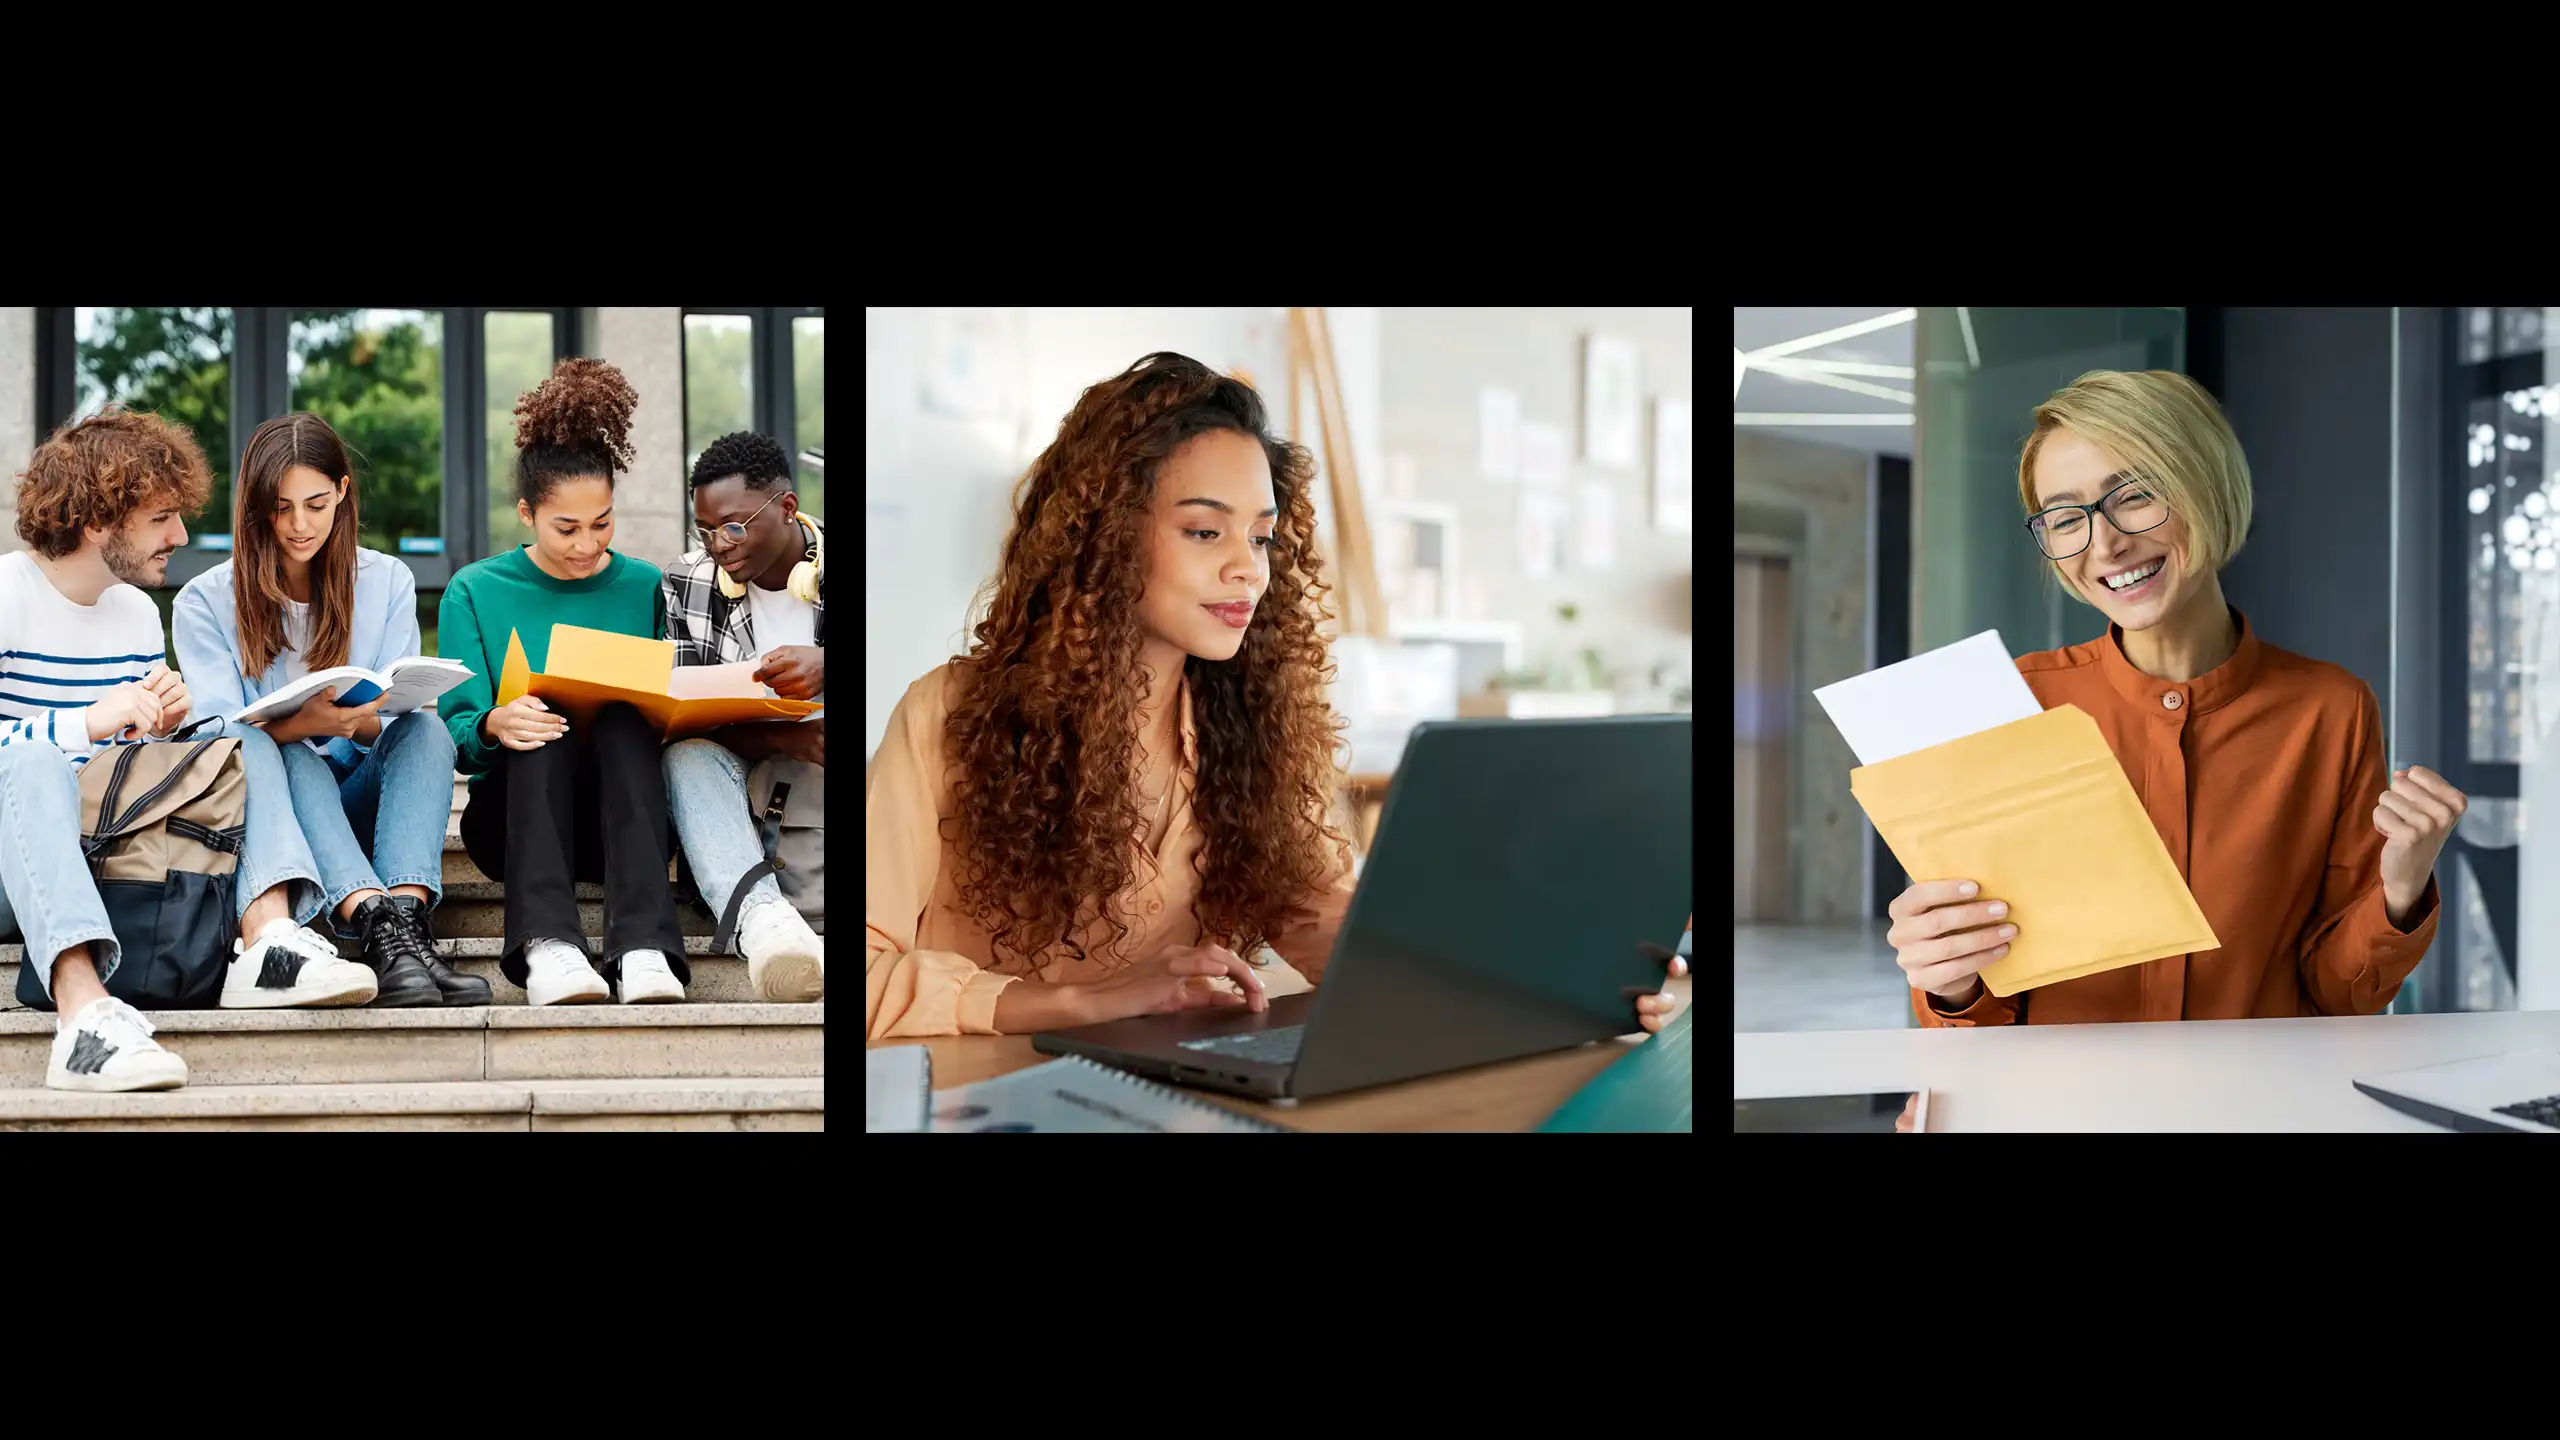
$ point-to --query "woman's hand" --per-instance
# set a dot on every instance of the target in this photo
(1176, 978)
(523, 723)
(1942, 937)
(2416, 816)
(322, 717)
(1655, 1011)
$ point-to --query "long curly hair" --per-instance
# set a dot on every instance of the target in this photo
(1043, 726)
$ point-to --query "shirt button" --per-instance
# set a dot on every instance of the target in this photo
(2170, 701)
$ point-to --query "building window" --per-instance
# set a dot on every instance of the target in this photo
(174, 362)
(516, 356)
(377, 377)
(762, 370)
(809, 407)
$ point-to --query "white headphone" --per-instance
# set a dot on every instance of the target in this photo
(804, 576)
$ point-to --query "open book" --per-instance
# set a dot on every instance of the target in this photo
(584, 670)
(404, 685)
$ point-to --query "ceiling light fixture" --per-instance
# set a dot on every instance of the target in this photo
(1786, 371)
(1839, 367)
(1774, 418)
(1833, 336)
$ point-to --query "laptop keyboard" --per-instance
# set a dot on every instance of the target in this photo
(1273, 1047)
(2545, 1111)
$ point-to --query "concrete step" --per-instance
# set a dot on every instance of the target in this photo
(712, 1104)
(717, 979)
(482, 1043)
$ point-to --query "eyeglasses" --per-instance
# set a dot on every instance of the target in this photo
(735, 531)
(2063, 531)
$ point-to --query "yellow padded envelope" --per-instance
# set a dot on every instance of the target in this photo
(584, 670)
(2040, 814)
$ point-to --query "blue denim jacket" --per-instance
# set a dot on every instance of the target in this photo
(208, 640)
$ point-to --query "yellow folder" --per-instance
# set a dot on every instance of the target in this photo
(586, 670)
(2039, 813)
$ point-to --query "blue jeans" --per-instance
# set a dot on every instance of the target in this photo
(47, 895)
(274, 851)
(45, 885)
(376, 819)
(707, 793)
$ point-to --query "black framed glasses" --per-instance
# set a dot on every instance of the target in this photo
(735, 531)
(2063, 531)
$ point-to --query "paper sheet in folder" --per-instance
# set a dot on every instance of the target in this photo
(2040, 814)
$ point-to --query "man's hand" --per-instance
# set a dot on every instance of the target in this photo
(806, 741)
(796, 672)
(127, 712)
(755, 740)
(171, 688)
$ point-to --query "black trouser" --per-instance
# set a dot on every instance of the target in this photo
(591, 805)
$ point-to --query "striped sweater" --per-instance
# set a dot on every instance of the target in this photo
(56, 657)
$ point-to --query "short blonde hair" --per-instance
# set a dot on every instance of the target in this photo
(2168, 430)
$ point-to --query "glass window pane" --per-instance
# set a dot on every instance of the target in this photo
(175, 362)
(809, 407)
(517, 346)
(377, 376)
(719, 382)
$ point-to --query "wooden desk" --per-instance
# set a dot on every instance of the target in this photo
(1515, 1095)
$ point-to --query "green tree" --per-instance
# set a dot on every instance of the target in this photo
(174, 362)
(378, 379)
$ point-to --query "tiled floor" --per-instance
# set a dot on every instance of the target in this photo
(1817, 977)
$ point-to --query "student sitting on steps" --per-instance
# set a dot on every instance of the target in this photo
(552, 804)
(370, 796)
(101, 505)
(753, 587)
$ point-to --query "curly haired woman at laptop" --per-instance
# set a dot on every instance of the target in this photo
(1123, 788)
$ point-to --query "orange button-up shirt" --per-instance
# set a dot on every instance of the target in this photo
(2261, 776)
(930, 970)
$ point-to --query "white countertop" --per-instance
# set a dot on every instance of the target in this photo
(2253, 1075)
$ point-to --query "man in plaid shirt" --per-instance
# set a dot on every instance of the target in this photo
(752, 588)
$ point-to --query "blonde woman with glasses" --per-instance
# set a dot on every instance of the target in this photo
(2262, 770)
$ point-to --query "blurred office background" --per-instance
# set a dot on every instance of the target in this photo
(1524, 475)
(2407, 528)
(426, 396)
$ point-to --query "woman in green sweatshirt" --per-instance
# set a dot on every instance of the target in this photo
(553, 804)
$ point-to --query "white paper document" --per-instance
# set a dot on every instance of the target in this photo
(1946, 694)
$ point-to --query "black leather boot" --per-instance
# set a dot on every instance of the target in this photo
(397, 956)
(456, 987)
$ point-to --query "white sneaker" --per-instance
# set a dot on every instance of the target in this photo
(786, 962)
(647, 980)
(293, 965)
(108, 1046)
(557, 973)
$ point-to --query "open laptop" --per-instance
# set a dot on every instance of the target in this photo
(2518, 1092)
(1528, 881)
